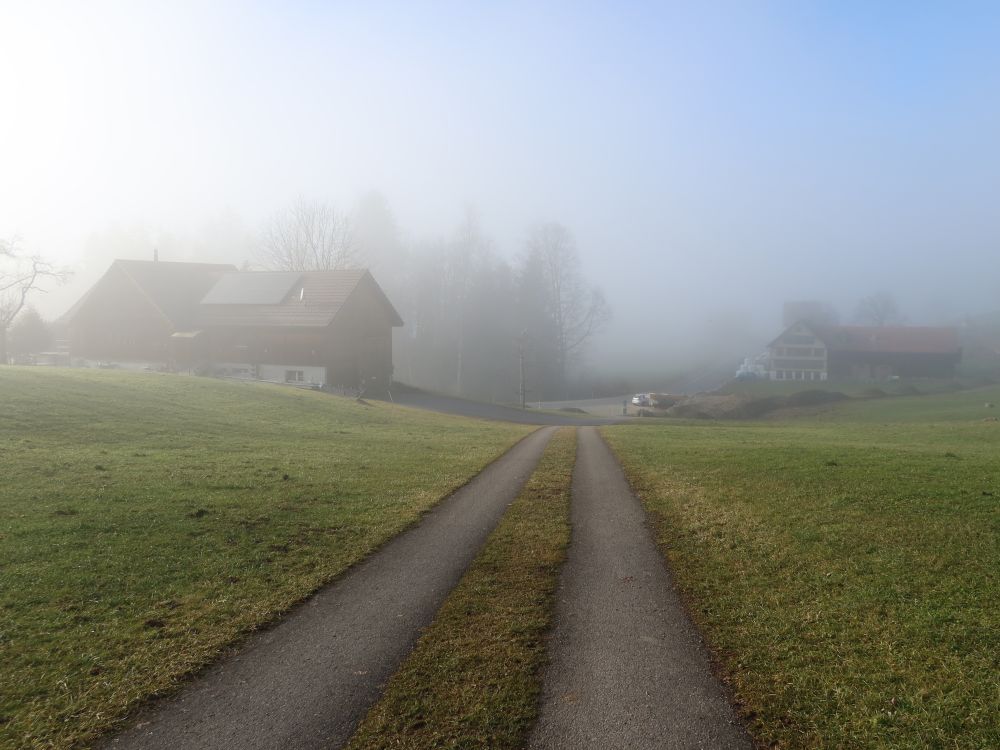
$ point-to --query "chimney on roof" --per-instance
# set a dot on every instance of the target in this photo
(156, 255)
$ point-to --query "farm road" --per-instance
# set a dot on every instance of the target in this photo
(308, 681)
(627, 668)
(481, 410)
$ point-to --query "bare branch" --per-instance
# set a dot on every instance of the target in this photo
(576, 310)
(309, 236)
(20, 276)
(878, 309)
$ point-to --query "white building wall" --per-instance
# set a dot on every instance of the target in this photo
(296, 374)
(302, 374)
(118, 364)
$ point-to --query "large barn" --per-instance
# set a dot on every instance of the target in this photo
(325, 328)
(810, 352)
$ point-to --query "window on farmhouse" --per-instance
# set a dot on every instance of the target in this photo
(295, 376)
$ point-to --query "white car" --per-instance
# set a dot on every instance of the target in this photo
(641, 399)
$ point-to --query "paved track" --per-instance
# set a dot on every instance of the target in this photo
(481, 410)
(627, 667)
(308, 681)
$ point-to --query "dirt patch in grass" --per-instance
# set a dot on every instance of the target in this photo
(744, 406)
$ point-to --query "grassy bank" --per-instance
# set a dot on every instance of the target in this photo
(854, 388)
(147, 521)
(473, 679)
(843, 568)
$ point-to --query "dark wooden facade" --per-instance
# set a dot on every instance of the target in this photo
(338, 321)
(355, 348)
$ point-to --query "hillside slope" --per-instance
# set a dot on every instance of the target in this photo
(147, 521)
(843, 564)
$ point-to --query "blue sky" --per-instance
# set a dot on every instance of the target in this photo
(713, 159)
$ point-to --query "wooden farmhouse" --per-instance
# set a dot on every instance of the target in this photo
(324, 328)
(809, 352)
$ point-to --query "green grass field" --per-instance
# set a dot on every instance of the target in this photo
(473, 680)
(147, 521)
(844, 567)
(854, 388)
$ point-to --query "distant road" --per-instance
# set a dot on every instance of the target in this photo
(480, 410)
(609, 406)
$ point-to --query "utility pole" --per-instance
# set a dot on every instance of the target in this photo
(520, 355)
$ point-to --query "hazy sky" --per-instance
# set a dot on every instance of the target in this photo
(713, 159)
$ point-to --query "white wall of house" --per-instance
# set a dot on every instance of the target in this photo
(116, 364)
(235, 370)
(298, 374)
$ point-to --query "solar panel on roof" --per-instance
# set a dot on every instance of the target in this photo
(252, 288)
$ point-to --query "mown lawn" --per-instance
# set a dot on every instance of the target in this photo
(473, 680)
(844, 568)
(853, 388)
(147, 521)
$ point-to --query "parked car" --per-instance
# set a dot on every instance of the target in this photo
(642, 399)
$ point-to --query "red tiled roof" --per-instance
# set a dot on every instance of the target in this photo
(890, 339)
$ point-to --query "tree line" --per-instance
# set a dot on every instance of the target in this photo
(476, 324)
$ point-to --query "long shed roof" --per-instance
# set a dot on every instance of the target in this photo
(891, 339)
(310, 299)
(885, 339)
(200, 295)
(173, 288)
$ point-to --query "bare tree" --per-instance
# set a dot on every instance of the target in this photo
(20, 275)
(878, 309)
(814, 312)
(577, 310)
(309, 236)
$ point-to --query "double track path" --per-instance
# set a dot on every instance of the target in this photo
(627, 667)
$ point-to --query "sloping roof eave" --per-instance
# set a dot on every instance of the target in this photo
(883, 339)
(796, 323)
(394, 316)
(327, 293)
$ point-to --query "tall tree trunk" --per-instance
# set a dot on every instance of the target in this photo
(461, 346)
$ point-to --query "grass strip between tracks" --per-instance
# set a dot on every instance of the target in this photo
(474, 677)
